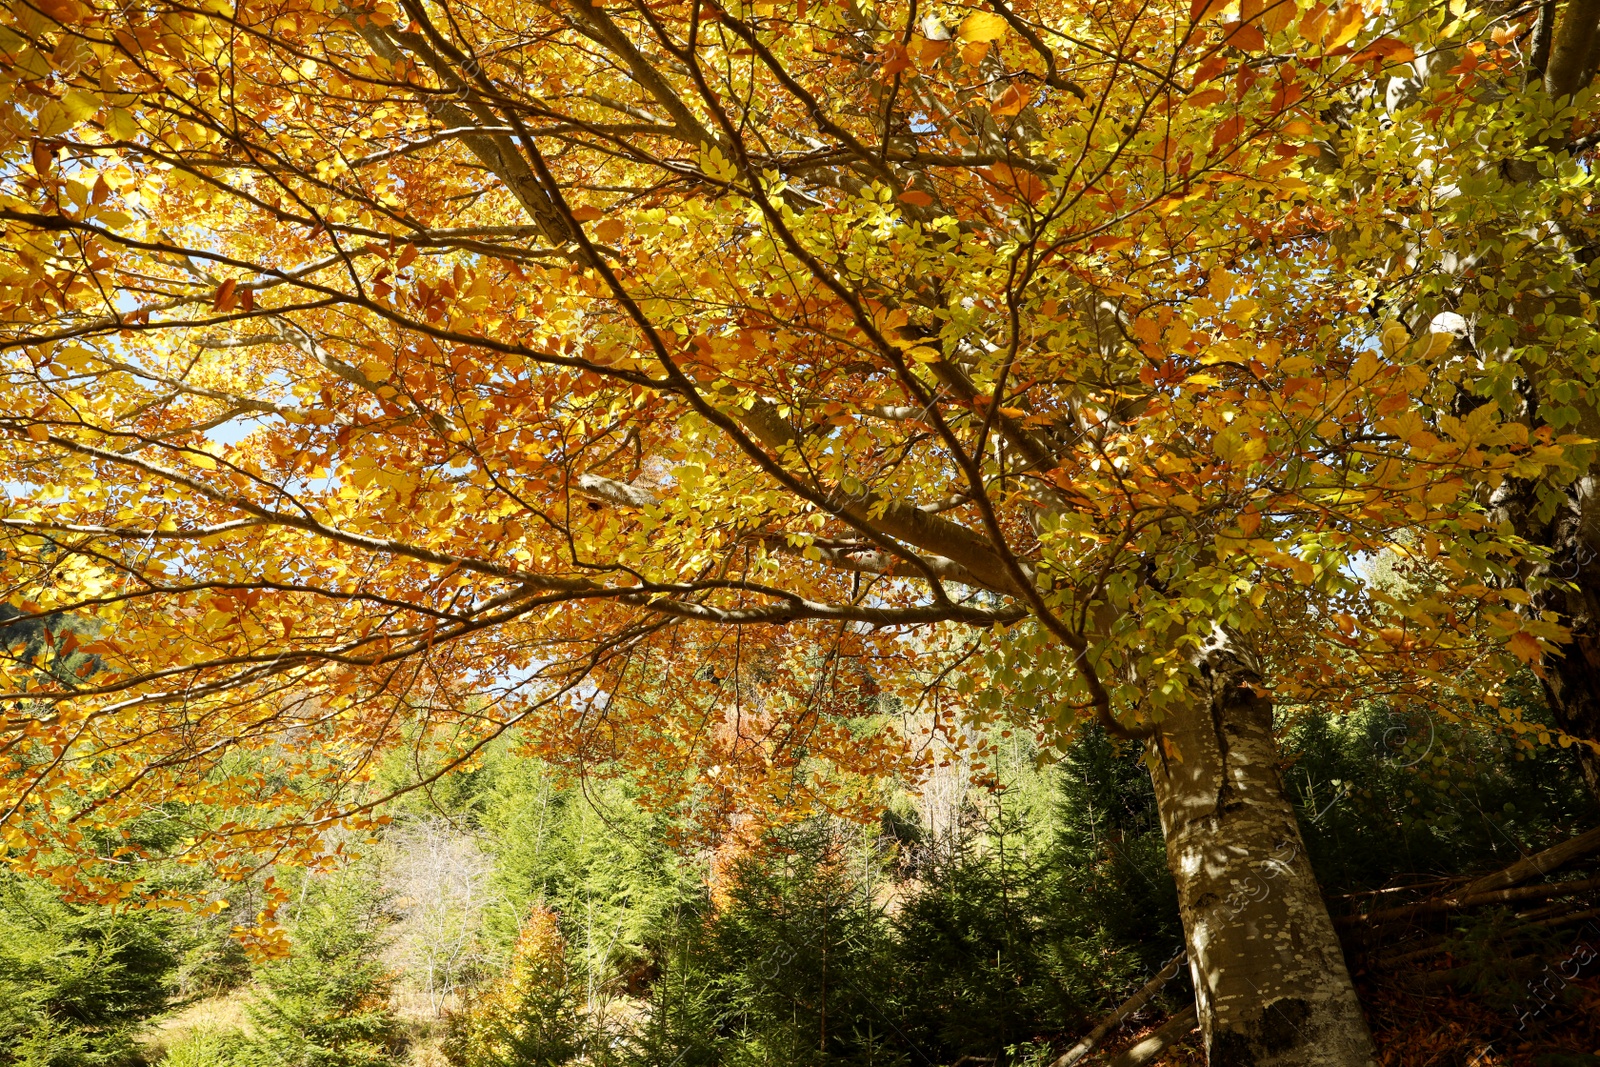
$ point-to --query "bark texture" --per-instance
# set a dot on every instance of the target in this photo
(1572, 48)
(1271, 986)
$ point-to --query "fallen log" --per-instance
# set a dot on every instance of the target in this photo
(1388, 916)
(1540, 863)
(1146, 1049)
(1483, 890)
(1096, 1036)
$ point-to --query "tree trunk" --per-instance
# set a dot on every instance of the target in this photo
(1572, 678)
(1270, 982)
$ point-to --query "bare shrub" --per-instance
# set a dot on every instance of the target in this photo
(440, 878)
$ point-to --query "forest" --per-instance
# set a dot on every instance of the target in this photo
(517, 918)
(987, 533)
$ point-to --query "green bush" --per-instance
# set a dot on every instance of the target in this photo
(207, 1048)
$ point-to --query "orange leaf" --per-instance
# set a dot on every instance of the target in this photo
(1011, 102)
(610, 231)
(65, 12)
(1344, 25)
(586, 213)
(1209, 69)
(896, 57)
(1525, 647)
(1289, 93)
(1244, 37)
(223, 301)
(1108, 243)
(44, 158)
(39, 432)
(1386, 48)
(915, 197)
(1227, 131)
(1277, 15)
(1021, 182)
(1312, 21)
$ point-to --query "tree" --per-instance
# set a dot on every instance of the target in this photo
(1491, 244)
(440, 877)
(76, 983)
(475, 364)
(531, 1018)
(327, 1004)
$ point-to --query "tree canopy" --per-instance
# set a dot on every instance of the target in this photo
(742, 392)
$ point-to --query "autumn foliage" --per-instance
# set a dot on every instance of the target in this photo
(748, 396)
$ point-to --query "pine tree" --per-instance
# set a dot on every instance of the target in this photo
(327, 1005)
(76, 982)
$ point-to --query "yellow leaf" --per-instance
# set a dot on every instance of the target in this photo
(1438, 345)
(120, 124)
(79, 105)
(982, 26)
(1395, 337)
(39, 432)
(53, 120)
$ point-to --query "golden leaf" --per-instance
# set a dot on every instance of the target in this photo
(1525, 647)
(982, 26)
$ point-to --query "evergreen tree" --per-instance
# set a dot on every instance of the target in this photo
(327, 1005)
(76, 982)
(1381, 793)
